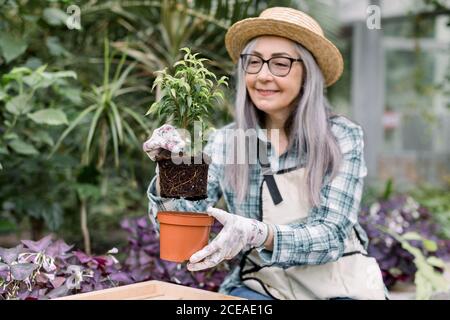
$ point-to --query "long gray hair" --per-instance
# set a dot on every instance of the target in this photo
(307, 126)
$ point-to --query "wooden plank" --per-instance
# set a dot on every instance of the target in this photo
(117, 293)
(165, 297)
(192, 293)
(146, 296)
(150, 290)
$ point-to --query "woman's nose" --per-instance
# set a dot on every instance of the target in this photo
(265, 73)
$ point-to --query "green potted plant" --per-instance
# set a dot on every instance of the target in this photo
(185, 101)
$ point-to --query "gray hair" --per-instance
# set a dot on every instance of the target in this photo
(308, 129)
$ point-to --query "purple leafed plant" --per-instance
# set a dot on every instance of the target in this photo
(47, 269)
(143, 262)
(400, 214)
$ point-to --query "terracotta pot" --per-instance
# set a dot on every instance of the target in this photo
(182, 234)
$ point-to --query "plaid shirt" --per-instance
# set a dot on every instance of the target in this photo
(318, 239)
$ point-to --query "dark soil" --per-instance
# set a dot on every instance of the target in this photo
(187, 178)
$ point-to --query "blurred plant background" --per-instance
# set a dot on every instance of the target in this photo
(72, 105)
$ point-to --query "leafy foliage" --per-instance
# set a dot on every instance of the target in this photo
(437, 201)
(109, 122)
(187, 96)
(47, 269)
(390, 225)
(428, 277)
(24, 115)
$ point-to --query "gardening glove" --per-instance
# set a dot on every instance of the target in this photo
(238, 233)
(164, 137)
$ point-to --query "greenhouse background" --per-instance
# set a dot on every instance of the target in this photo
(73, 171)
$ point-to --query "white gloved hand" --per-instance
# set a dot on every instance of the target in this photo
(164, 137)
(238, 233)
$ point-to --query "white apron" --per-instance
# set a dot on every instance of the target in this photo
(354, 275)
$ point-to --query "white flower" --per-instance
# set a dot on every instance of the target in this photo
(77, 273)
(374, 208)
(411, 206)
(113, 251)
(49, 263)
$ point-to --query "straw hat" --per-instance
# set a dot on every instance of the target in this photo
(292, 24)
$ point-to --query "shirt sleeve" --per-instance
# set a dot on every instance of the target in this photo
(320, 238)
(214, 191)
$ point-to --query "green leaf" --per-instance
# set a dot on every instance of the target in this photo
(11, 136)
(21, 147)
(118, 120)
(137, 118)
(153, 108)
(412, 236)
(388, 189)
(72, 94)
(430, 245)
(11, 46)
(53, 216)
(18, 105)
(43, 137)
(54, 16)
(3, 95)
(55, 47)
(114, 134)
(19, 71)
(40, 79)
(53, 117)
(73, 124)
(424, 288)
(3, 150)
(87, 190)
(436, 262)
(92, 128)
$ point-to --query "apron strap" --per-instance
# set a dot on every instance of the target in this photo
(242, 264)
(267, 173)
(255, 268)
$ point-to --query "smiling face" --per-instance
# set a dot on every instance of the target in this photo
(271, 94)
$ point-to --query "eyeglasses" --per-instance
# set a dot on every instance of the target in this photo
(278, 66)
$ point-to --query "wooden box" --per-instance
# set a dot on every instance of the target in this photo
(150, 290)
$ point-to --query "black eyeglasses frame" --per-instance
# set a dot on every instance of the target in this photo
(292, 60)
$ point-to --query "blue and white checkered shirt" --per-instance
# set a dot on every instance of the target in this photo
(318, 239)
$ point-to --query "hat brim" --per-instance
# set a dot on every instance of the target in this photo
(327, 56)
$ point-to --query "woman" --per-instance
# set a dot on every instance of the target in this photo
(293, 215)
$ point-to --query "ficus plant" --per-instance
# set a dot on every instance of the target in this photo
(188, 97)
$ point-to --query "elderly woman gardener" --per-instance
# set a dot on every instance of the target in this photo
(293, 216)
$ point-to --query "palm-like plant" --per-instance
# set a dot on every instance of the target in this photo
(109, 123)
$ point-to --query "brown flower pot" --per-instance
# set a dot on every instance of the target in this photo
(186, 177)
(182, 234)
